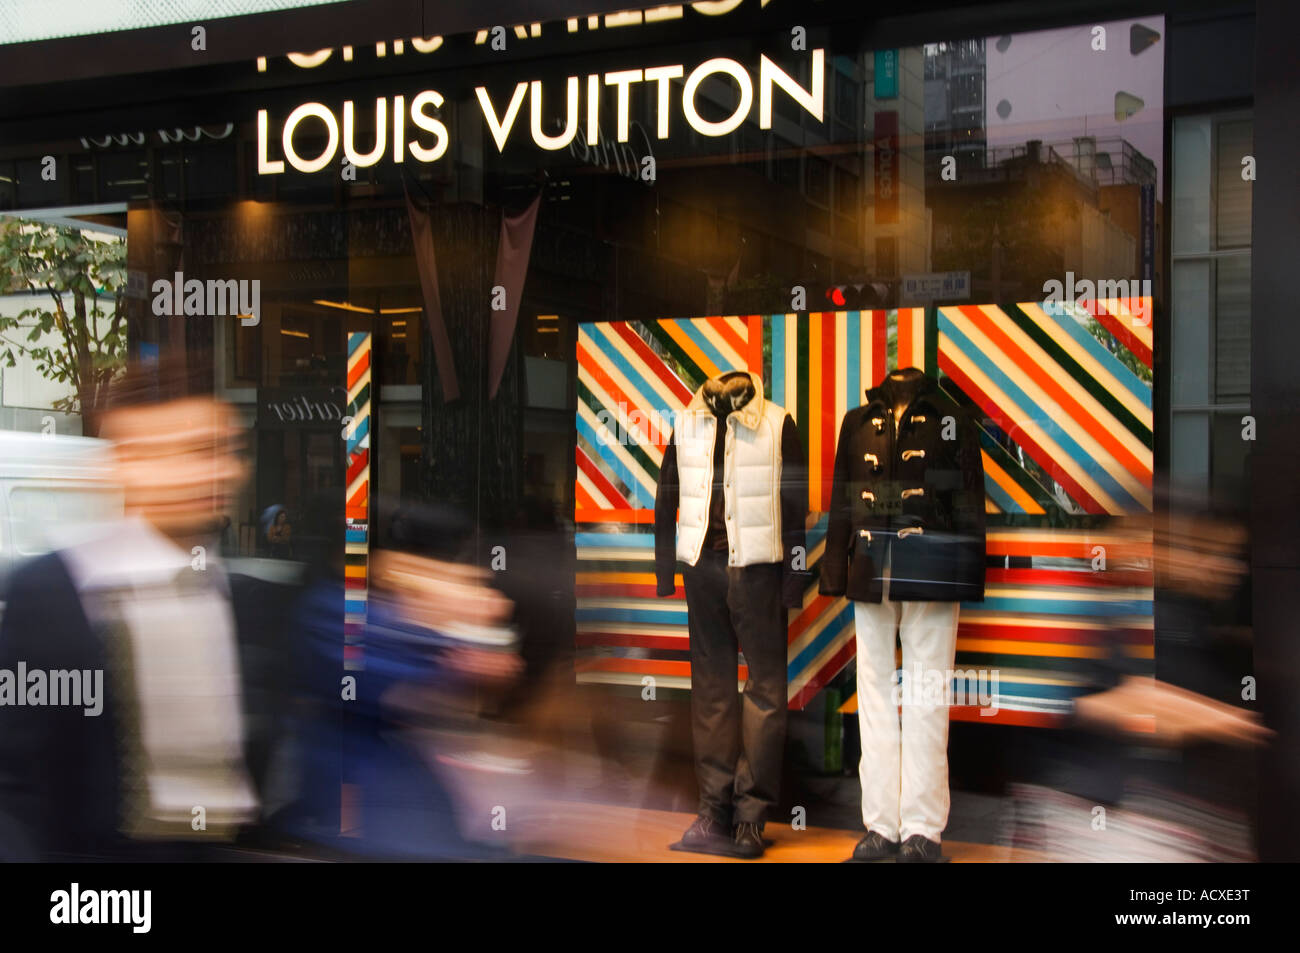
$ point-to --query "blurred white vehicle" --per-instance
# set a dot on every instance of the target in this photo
(54, 491)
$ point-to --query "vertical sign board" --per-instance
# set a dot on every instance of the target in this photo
(886, 74)
(885, 143)
(356, 431)
(1148, 226)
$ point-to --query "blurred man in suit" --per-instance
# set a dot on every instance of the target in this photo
(180, 757)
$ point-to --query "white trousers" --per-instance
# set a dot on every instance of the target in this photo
(904, 767)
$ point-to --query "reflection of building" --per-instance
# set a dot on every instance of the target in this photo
(1026, 215)
(954, 101)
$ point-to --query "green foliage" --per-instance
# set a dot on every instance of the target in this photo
(84, 280)
(1112, 344)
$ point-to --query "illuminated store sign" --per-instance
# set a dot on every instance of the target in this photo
(503, 113)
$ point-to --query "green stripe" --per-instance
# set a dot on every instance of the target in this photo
(638, 454)
(1011, 466)
(767, 353)
(617, 565)
(932, 341)
(687, 369)
(802, 325)
(1084, 379)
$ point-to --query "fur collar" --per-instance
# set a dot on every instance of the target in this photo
(739, 396)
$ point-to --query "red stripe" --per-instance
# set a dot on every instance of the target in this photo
(823, 678)
(360, 460)
(1117, 326)
(616, 394)
(643, 666)
(652, 361)
(1111, 578)
(950, 368)
(1006, 716)
(728, 334)
(808, 616)
(593, 473)
(1095, 428)
(828, 421)
(755, 325)
(879, 348)
(634, 640)
(359, 368)
(1074, 635)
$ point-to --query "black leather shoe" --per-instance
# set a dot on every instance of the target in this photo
(875, 846)
(920, 850)
(747, 840)
(705, 836)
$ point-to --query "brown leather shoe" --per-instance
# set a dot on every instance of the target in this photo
(920, 850)
(875, 846)
(707, 836)
(747, 839)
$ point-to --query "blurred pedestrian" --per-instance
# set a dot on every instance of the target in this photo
(181, 751)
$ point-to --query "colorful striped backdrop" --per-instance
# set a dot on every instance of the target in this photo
(1066, 430)
(357, 513)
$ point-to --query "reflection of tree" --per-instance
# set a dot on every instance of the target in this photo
(1030, 224)
(90, 346)
(1125, 356)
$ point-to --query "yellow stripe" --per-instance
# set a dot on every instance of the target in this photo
(1090, 365)
(735, 362)
(640, 433)
(665, 397)
(631, 463)
(1139, 328)
(1086, 441)
(586, 483)
(1019, 416)
(692, 350)
(1076, 390)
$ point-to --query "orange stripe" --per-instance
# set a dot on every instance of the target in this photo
(594, 368)
(904, 337)
(1009, 486)
(643, 666)
(1053, 389)
(692, 350)
(808, 616)
(588, 515)
(360, 367)
(621, 578)
(360, 497)
(584, 499)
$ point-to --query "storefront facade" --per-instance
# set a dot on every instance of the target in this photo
(490, 264)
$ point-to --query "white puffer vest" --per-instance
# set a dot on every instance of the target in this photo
(751, 480)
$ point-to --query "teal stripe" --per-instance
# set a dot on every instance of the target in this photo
(1043, 419)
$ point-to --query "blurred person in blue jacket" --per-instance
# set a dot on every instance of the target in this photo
(433, 631)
